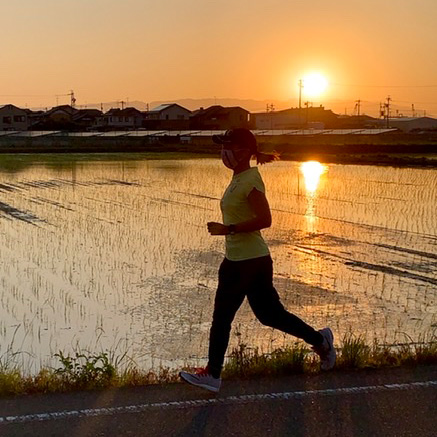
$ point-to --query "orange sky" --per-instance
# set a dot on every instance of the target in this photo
(165, 50)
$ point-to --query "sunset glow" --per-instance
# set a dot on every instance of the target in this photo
(314, 85)
(148, 51)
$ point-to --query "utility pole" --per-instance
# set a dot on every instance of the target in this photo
(300, 93)
(307, 104)
(381, 110)
(72, 99)
(358, 106)
(412, 110)
(271, 110)
(387, 105)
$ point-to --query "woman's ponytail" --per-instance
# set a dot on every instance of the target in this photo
(264, 158)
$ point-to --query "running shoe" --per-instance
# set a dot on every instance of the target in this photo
(202, 378)
(326, 350)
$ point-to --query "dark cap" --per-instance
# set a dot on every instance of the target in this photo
(239, 136)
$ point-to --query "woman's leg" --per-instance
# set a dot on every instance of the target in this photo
(266, 305)
(229, 297)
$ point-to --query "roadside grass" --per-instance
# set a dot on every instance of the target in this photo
(83, 371)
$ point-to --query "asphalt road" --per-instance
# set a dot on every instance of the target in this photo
(391, 402)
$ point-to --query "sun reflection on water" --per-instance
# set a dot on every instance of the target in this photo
(312, 170)
(112, 247)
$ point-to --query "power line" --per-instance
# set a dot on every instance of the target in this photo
(420, 103)
(26, 95)
(384, 86)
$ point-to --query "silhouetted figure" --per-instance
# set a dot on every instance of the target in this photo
(247, 269)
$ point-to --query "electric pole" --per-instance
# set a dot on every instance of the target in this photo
(387, 106)
(271, 110)
(358, 106)
(307, 104)
(300, 93)
(72, 99)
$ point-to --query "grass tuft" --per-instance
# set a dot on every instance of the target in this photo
(83, 371)
(354, 354)
(244, 362)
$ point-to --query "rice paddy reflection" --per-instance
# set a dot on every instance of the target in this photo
(100, 254)
(312, 170)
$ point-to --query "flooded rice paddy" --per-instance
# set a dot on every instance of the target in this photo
(114, 254)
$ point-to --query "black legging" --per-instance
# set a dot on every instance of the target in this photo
(252, 278)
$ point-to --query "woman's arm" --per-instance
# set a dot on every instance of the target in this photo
(263, 218)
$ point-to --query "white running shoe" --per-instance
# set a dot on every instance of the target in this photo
(326, 350)
(202, 378)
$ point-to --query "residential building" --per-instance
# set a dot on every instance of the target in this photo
(120, 119)
(219, 118)
(169, 111)
(61, 114)
(357, 122)
(293, 118)
(56, 118)
(408, 124)
(168, 116)
(87, 119)
(34, 118)
(13, 118)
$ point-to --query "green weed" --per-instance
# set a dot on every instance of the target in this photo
(355, 353)
(83, 371)
(245, 362)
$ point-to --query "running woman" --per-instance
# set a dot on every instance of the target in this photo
(247, 269)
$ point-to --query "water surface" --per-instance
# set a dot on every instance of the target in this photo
(114, 254)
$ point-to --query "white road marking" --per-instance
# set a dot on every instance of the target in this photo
(230, 400)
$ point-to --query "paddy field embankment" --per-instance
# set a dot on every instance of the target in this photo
(394, 148)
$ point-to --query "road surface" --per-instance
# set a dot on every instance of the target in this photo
(387, 402)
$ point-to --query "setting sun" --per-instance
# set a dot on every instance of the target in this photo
(314, 84)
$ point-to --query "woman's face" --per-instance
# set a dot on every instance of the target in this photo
(234, 154)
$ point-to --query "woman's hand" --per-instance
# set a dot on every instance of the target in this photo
(215, 228)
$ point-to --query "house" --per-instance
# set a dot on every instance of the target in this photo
(87, 119)
(293, 118)
(168, 116)
(274, 120)
(357, 122)
(120, 119)
(34, 118)
(61, 114)
(169, 111)
(408, 124)
(219, 118)
(56, 118)
(13, 118)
